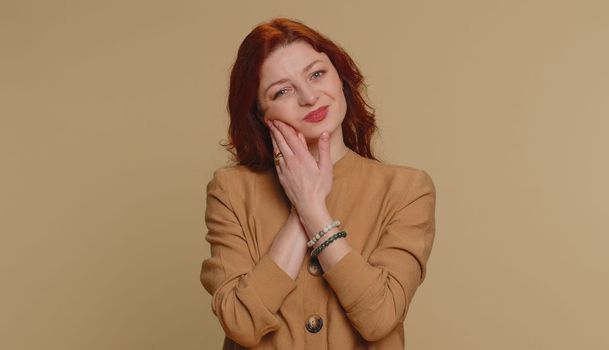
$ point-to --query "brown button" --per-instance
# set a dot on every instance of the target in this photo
(314, 323)
(314, 267)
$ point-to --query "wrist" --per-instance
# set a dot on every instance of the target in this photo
(321, 235)
(315, 221)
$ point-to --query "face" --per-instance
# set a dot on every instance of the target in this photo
(296, 80)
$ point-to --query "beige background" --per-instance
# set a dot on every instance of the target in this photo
(112, 112)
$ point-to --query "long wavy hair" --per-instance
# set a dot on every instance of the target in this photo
(249, 140)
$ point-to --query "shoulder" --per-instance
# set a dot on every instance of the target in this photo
(238, 179)
(395, 173)
(233, 172)
(398, 184)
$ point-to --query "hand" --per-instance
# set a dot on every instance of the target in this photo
(306, 182)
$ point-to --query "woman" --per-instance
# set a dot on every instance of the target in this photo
(308, 185)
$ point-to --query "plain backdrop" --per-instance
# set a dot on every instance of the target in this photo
(111, 117)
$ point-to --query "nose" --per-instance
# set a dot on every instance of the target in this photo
(308, 95)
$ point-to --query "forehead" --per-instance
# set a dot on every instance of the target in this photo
(287, 60)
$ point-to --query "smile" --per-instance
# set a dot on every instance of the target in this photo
(317, 115)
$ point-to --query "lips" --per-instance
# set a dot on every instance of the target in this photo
(316, 115)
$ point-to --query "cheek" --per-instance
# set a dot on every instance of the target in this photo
(342, 101)
(278, 111)
(337, 90)
(337, 87)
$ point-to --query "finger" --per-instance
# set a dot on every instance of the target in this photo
(275, 150)
(290, 136)
(325, 161)
(280, 141)
(269, 125)
(302, 138)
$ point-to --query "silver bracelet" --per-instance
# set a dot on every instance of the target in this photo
(322, 232)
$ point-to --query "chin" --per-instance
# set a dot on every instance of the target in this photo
(313, 136)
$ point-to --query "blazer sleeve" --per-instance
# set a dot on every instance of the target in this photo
(246, 294)
(376, 293)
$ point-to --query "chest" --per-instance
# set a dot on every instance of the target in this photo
(363, 211)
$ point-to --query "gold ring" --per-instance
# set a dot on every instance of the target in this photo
(277, 157)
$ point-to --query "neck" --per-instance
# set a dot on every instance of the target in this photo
(337, 146)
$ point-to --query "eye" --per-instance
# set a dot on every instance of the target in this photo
(318, 74)
(279, 93)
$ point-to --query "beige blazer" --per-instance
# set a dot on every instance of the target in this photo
(388, 212)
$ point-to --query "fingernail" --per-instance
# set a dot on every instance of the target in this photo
(324, 135)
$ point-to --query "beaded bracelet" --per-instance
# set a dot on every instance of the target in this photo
(321, 233)
(341, 234)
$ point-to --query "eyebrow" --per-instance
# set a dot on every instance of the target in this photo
(284, 80)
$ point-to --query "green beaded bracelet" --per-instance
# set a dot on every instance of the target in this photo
(327, 242)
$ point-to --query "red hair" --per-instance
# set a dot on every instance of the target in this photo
(249, 139)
